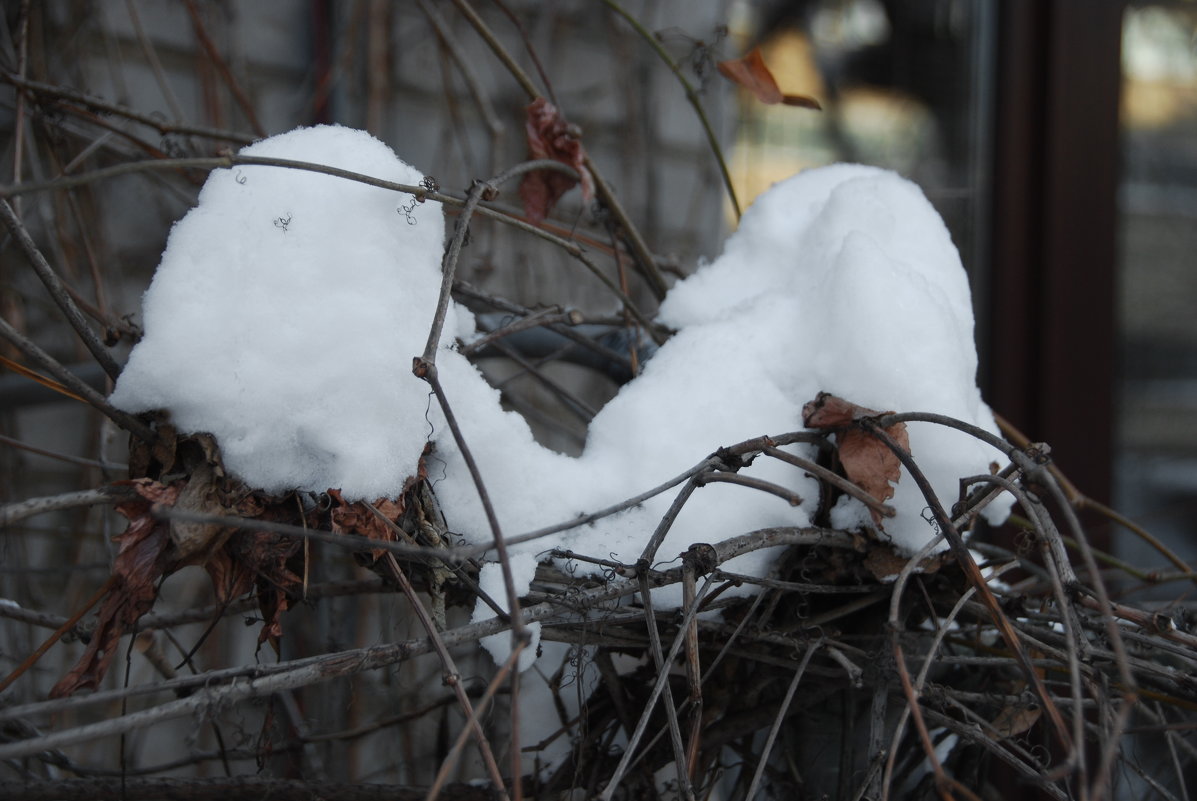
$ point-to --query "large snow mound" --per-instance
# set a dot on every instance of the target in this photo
(285, 313)
(288, 306)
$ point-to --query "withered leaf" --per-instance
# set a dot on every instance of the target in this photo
(229, 578)
(751, 73)
(263, 561)
(885, 564)
(551, 137)
(1014, 719)
(867, 461)
(266, 556)
(357, 518)
(194, 541)
(143, 558)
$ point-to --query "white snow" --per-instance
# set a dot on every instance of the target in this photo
(490, 581)
(285, 314)
(292, 343)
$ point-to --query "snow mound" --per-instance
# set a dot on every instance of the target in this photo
(844, 279)
(285, 313)
(289, 304)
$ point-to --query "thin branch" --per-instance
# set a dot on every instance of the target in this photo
(491, 119)
(691, 96)
(587, 519)
(789, 496)
(781, 715)
(452, 676)
(72, 382)
(428, 372)
(913, 707)
(67, 625)
(836, 480)
(16, 511)
(644, 259)
(99, 105)
(347, 542)
(497, 48)
(965, 560)
(235, 160)
(222, 67)
(19, 124)
(576, 406)
(62, 457)
(235, 788)
(654, 542)
(477, 192)
(450, 760)
(664, 666)
(151, 55)
(545, 317)
(660, 686)
(531, 51)
(640, 250)
(58, 291)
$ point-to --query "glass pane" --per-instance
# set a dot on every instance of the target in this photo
(905, 85)
(1156, 467)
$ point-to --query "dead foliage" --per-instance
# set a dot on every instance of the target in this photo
(751, 73)
(551, 137)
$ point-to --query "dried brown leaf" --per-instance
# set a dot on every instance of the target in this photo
(551, 137)
(751, 73)
(1015, 719)
(267, 558)
(195, 541)
(357, 518)
(229, 578)
(144, 557)
(868, 461)
(885, 563)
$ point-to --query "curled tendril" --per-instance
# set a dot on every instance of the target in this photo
(407, 210)
(802, 608)
(1040, 754)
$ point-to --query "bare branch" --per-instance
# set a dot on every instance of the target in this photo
(20, 510)
(97, 104)
(72, 382)
(58, 291)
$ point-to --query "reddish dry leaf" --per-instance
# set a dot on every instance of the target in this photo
(357, 518)
(229, 578)
(867, 461)
(266, 556)
(144, 557)
(263, 561)
(230, 575)
(751, 73)
(551, 137)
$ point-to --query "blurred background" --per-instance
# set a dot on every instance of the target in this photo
(1058, 138)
